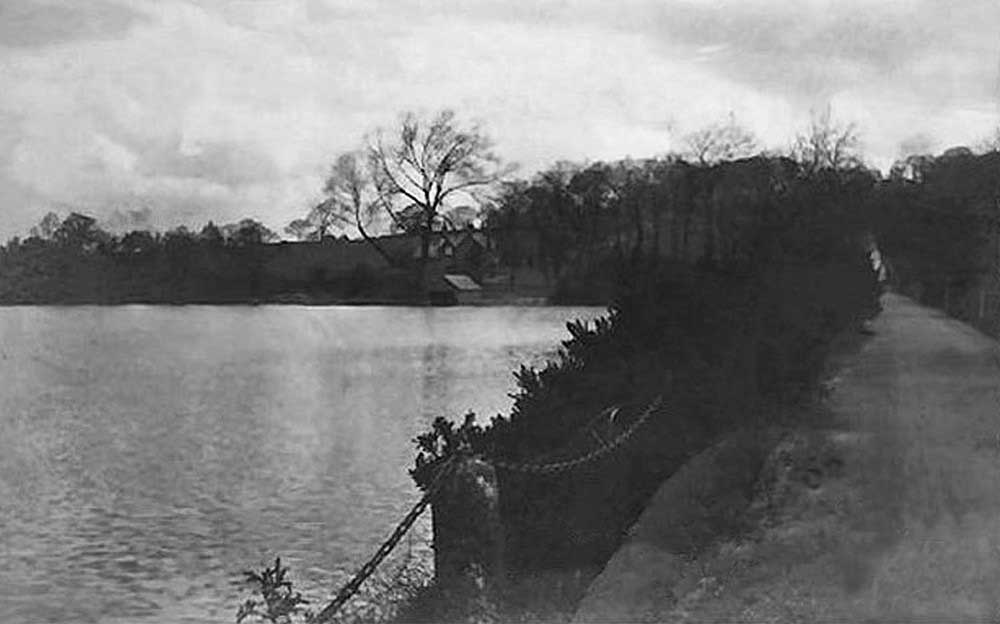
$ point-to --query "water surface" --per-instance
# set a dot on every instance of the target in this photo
(149, 453)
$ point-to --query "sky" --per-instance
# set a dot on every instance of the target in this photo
(154, 113)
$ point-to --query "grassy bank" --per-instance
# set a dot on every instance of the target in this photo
(726, 352)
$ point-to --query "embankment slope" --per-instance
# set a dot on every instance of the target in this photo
(889, 512)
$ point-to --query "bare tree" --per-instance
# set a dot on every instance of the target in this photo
(350, 203)
(827, 144)
(351, 199)
(721, 141)
(423, 164)
(302, 230)
(319, 221)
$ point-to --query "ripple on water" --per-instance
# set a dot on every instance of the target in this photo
(148, 455)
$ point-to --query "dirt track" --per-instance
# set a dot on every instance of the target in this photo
(888, 513)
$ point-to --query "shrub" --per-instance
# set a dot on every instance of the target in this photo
(274, 600)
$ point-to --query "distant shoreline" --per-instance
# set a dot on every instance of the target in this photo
(313, 302)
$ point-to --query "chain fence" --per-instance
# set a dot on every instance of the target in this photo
(576, 462)
(353, 585)
(387, 546)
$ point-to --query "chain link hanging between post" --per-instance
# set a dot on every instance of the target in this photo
(369, 567)
(352, 586)
(569, 464)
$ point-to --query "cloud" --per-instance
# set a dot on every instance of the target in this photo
(32, 24)
(226, 162)
(917, 144)
(188, 113)
(222, 109)
(126, 219)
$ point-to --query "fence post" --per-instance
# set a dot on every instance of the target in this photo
(468, 536)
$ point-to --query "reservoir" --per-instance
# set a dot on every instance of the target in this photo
(148, 454)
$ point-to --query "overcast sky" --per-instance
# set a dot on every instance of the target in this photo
(193, 110)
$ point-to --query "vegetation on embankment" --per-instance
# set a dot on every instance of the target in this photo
(729, 284)
(728, 315)
(724, 340)
(938, 222)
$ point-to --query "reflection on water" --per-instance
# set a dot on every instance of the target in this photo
(147, 454)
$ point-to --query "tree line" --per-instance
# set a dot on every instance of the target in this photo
(73, 260)
(938, 220)
(730, 279)
(582, 225)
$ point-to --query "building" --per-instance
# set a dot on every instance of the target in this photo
(316, 265)
(454, 289)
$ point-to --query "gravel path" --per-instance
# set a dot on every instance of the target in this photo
(888, 513)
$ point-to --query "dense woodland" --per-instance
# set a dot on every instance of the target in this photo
(733, 281)
(938, 223)
(73, 260)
